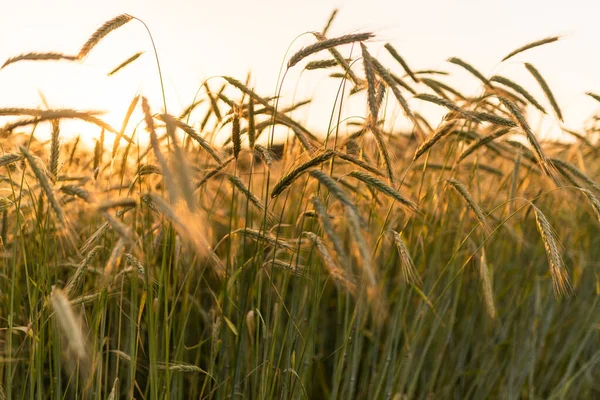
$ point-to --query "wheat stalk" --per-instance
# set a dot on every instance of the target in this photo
(383, 150)
(329, 22)
(471, 69)
(339, 275)
(401, 61)
(593, 201)
(391, 82)
(487, 287)
(407, 265)
(549, 95)
(482, 142)
(125, 63)
(38, 57)
(383, 188)
(539, 153)
(291, 176)
(45, 184)
(324, 219)
(101, 32)
(436, 137)
(71, 327)
(462, 190)
(213, 172)
(519, 89)
(193, 134)
(558, 272)
(10, 158)
(371, 86)
(327, 44)
(75, 279)
(531, 46)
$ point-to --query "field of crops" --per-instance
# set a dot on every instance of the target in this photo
(454, 259)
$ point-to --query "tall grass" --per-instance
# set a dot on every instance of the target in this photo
(175, 270)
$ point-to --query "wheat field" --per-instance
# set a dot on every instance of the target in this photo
(454, 259)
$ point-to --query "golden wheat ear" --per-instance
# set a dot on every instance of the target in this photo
(38, 57)
(101, 32)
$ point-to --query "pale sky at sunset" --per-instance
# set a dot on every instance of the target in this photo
(200, 39)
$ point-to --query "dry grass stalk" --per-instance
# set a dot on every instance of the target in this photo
(125, 63)
(549, 95)
(519, 89)
(481, 217)
(101, 32)
(471, 69)
(71, 327)
(383, 188)
(45, 184)
(407, 265)
(531, 46)
(291, 176)
(558, 272)
(487, 287)
(338, 274)
(38, 57)
(401, 61)
(327, 44)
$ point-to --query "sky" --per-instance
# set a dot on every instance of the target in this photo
(198, 40)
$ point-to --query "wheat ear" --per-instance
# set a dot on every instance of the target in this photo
(101, 32)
